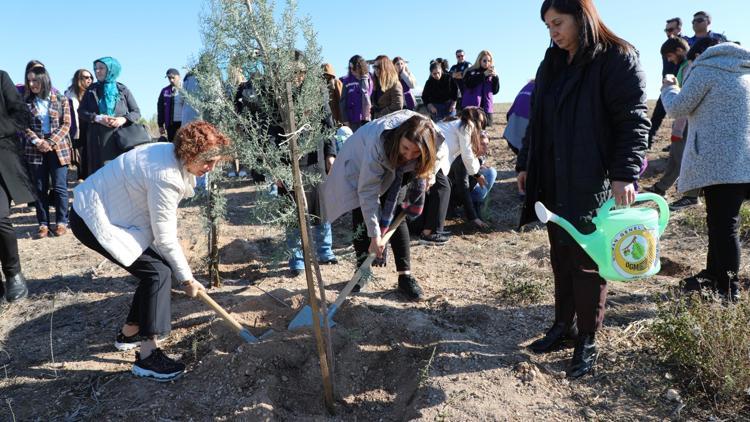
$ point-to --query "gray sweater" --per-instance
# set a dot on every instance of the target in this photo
(716, 101)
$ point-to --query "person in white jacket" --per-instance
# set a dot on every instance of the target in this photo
(462, 139)
(127, 211)
(467, 144)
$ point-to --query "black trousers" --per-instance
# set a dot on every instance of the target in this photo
(399, 242)
(461, 187)
(436, 205)
(579, 290)
(723, 204)
(11, 263)
(151, 307)
(172, 130)
(656, 118)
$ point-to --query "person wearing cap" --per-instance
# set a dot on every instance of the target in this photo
(169, 106)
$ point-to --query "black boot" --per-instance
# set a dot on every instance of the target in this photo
(696, 283)
(409, 287)
(584, 356)
(15, 288)
(556, 336)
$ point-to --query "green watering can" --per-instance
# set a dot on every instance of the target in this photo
(625, 244)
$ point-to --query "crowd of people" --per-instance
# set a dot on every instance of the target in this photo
(580, 130)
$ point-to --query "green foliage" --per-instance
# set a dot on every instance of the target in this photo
(246, 38)
(709, 342)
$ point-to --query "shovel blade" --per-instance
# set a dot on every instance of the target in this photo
(304, 319)
(247, 336)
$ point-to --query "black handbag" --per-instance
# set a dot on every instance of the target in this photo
(130, 136)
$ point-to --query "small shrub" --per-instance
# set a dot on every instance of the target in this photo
(709, 343)
(522, 283)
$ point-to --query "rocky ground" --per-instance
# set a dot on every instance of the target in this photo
(458, 355)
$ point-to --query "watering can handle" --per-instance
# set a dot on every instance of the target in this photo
(641, 197)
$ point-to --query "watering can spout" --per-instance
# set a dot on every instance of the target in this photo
(544, 215)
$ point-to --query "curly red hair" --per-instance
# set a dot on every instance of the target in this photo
(198, 138)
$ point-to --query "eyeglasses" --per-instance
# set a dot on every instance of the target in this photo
(87, 77)
(670, 30)
(699, 20)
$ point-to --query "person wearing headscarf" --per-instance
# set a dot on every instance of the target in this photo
(106, 106)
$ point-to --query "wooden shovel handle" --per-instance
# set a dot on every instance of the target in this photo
(365, 265)
(219, 310)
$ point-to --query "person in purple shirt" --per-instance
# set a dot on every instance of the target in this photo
(518, 118)
(355, 102)
(481, 83)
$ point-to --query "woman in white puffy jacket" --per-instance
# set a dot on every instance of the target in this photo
(463, 138)
(127, 212)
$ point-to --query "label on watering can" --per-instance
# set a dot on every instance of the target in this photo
(634, 251)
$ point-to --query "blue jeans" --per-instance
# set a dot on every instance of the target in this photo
(323, 238)
(442, 111)
(479, 193)
(41, 174)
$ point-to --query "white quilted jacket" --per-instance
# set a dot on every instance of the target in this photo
(130, 204)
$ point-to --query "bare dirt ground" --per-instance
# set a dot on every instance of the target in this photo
(458, 355)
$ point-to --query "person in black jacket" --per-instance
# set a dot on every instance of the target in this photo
(439, 93)
(586, 142)
(14, 185)
(107, 105)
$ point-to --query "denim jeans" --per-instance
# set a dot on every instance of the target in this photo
(479, 193)
(41, 174)
(323, 238)
(442, 111)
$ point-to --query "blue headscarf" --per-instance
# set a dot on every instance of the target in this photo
(111, 93)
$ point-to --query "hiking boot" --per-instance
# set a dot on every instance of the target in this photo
(409, 287)
(42, 232)
(682, 203)
(444, 232)
(331, 261)
(157, 366)
(15, 288)
(432, 239)
(584, 356)
(60, 230)
(559, 335)
(123, 342)
(654, 189)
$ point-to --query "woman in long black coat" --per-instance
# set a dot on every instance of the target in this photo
(106, 106)
(14, 185)
(586, 142)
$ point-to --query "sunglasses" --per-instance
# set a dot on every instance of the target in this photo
(670, 30)
(699, 20)
(87, 77)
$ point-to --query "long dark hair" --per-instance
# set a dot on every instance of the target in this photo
(358, 65)
(41, 76)
(477, 120)
(419, 130)
(593, 35)
(76, 84)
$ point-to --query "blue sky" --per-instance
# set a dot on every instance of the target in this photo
(147, 37)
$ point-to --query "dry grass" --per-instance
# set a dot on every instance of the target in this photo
(709, 343)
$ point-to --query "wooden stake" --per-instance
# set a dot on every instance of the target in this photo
(214, 280)
(309, 257)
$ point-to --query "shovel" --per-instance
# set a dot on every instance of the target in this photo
(304, 317)
(242, 331)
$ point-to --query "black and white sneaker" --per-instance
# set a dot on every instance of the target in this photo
(158, 367)
(682, 203)
(432, 239)
(124, 343)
